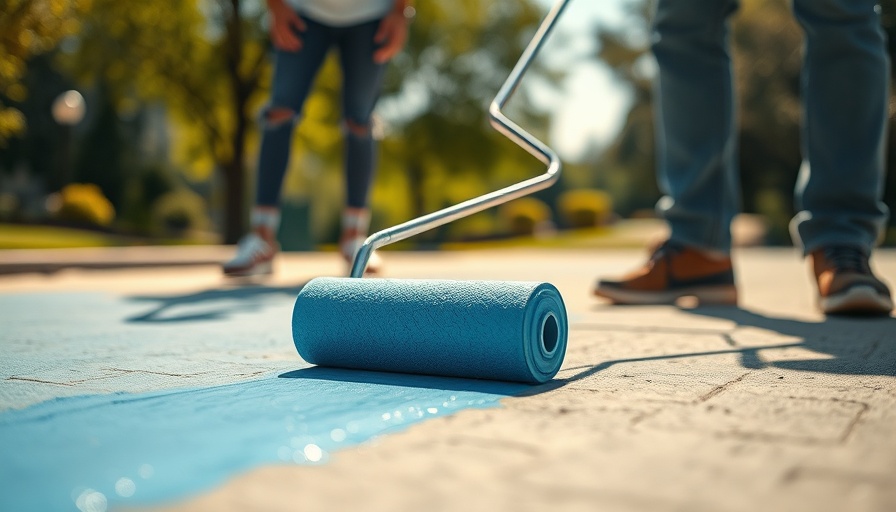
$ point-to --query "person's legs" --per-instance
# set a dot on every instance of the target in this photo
(362, 82)
(294, 74)
(696, 159)
(845, 87)
(695, 121)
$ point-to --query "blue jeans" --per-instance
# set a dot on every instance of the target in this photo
(845, 88)
(294, 73)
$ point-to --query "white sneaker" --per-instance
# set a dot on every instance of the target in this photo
(254, 256)
(350, 249)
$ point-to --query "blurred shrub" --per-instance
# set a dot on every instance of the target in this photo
(9, 206)
(889, 237)
(12, 122)
(524, 216)
(142, 191)
(156, 181)
(774, 206)
(584, 208)
(178, 212)
(479, 226)
(81, 204)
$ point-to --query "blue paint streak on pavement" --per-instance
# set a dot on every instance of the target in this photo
(136, 435)
(186, 441)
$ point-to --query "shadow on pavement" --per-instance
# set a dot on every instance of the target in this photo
(226, 300)
(855, 345)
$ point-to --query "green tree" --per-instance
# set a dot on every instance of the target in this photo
(207, 62)
(626, 168)
(459, 56)
(28, 28)
(204, 60)
(437, 147)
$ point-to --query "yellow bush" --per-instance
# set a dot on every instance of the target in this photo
(479, 226)
(584, 208)
(178, 212)
(524, 216)
(83, 204)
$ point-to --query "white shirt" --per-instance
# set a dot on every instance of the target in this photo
(341, 13)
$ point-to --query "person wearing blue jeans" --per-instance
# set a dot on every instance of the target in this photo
(367, 34)
(845, 92)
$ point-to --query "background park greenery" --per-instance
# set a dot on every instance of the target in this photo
(166, 152)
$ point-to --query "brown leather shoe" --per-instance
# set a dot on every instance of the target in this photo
(674, 271)
(846, 284)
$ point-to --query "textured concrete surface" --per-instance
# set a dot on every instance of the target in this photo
(769, 406)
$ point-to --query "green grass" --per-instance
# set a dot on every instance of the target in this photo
(623, 234)
(630, 233)
(18, 236)
(50, 237)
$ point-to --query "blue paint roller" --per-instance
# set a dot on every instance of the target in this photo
(511, 331)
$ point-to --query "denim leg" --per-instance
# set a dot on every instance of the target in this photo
(362, 81)
(845, 87)
(294, 74)
(696, 137)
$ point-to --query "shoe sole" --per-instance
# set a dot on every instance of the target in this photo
(719, 295)
(858, 300)
(259, 269)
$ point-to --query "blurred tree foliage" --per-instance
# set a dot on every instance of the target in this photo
(28, 28)
(460, 55)
(626, 168)
(202, 59)
(766, 49)
(208, 62)
(438, 141)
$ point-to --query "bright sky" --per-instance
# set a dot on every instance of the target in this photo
(591, 105)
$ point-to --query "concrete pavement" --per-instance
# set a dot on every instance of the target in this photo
(769, 406)
(48, 261)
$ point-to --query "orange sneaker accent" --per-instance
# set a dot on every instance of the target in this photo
(846, 285)
(672, 272)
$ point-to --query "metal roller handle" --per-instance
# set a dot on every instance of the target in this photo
(510, 130)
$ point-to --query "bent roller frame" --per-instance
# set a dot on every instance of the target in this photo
(510, 130)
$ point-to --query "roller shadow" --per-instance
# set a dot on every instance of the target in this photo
(845, 345)
(407, 380)
(226, 300)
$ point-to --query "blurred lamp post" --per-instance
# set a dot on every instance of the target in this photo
(68, 110)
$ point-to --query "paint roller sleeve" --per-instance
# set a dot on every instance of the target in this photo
(510, 331)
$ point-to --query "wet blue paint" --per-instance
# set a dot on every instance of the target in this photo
(168, 406)
(97, 451)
